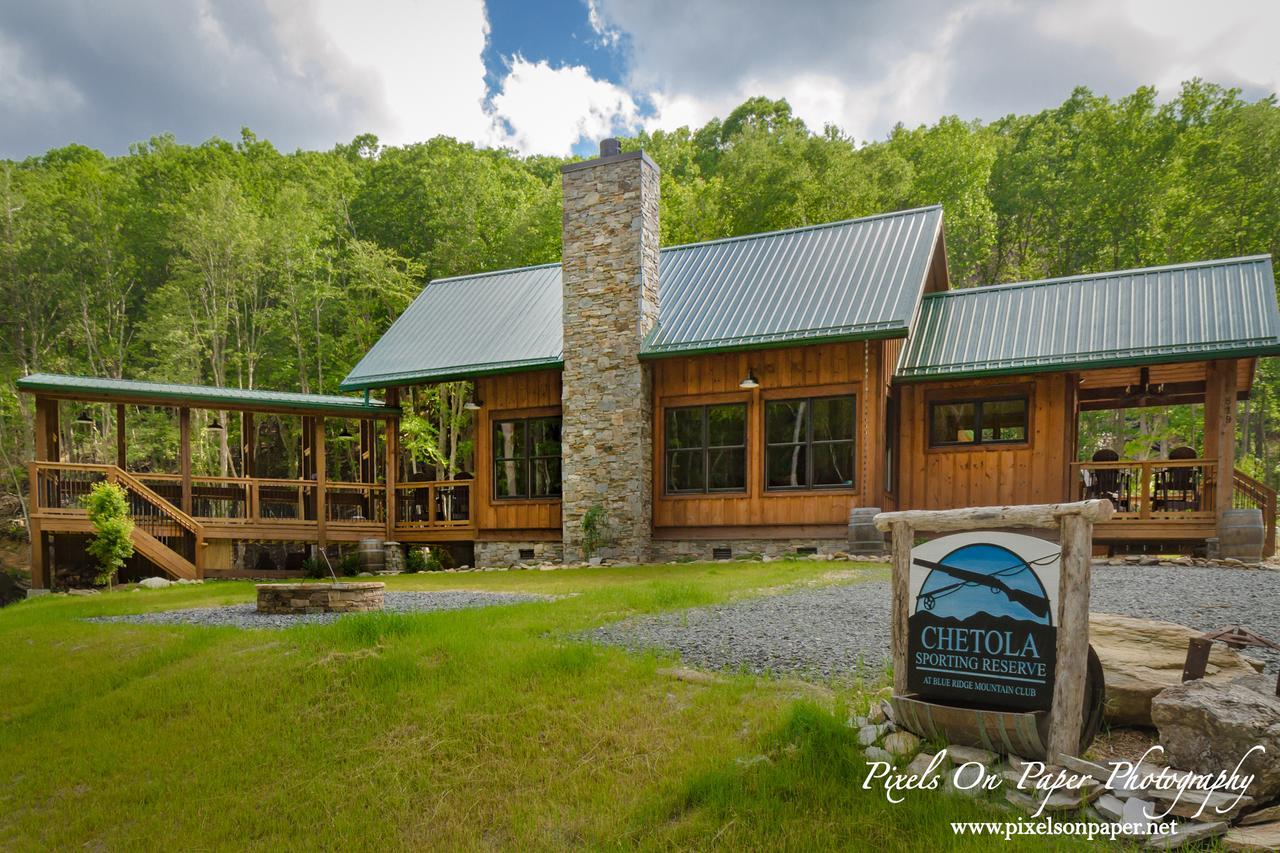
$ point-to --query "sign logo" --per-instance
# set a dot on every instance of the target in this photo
(983, 620)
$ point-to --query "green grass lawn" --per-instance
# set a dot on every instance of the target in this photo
(483, 728)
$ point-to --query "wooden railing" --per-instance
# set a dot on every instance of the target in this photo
(435, 504)
(58, 488)
(1248, 493)
(1154, 489)
(355, 502)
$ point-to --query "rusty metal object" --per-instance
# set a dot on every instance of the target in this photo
(1235, 637)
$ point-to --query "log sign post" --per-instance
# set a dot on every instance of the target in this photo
(994, 621)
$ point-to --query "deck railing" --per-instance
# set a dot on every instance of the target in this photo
(1151, 489)
(434, 504)
(1248, 493)
(59, 487)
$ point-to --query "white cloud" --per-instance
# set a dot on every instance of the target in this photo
(547, 110)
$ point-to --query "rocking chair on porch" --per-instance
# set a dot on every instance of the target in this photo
(1109, 483)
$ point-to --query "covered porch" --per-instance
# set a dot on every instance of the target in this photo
(1171, 494)
(233, 467)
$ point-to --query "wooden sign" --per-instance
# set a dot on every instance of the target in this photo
(983, 620)
(1036, 598)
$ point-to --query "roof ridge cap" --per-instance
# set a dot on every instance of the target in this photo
(814, 227)
(1067, 279)
(488, 273)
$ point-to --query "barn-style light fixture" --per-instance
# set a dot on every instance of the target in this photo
(749, 381)
(345, 434)
(472, 404)
(215, 425)
(83, 418)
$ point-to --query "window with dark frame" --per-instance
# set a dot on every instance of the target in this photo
(999, 420)
(706, 449)
(809, 443)
(526, 458)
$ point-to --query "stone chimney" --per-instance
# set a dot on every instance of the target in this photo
(610, 278)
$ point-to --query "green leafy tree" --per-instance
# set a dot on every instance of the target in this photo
(111, 546)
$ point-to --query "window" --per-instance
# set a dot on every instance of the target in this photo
(809, 443)
(998, 421)
(526, 458)
(706, 449)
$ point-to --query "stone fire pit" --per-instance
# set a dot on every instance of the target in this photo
(294, 598)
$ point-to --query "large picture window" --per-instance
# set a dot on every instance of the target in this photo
(810, 443)
(526, 458)
(706, 449)
(960, 422)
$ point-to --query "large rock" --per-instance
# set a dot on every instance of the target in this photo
(1208, 726)
(1141, 657)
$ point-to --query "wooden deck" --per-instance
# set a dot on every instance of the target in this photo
(1171, 501)
(248, 509)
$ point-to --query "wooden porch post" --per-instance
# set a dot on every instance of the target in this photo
(184, 456)
(318, 461)
(122, 456)
(247, 445)
(1220, 395)
(392, 427)
(46, 450)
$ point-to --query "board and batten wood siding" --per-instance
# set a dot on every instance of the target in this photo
(513, 395)
(814, 370)
(1030, 472)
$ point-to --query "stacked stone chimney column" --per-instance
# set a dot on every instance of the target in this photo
(610, 278)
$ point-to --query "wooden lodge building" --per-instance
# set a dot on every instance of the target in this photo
(737, 395)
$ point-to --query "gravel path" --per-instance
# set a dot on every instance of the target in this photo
(830, 632)
(246, 615)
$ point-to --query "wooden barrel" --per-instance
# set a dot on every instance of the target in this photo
(1242, 534)
(1021, 733)
(864, 538)
(373, 557)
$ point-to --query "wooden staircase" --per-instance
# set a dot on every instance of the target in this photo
(163, 533)
(1248, 493)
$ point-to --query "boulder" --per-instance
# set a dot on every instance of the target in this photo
(901, 744)
(1262, 836)
(154, 583)
(1141, 657)
(1208, 726)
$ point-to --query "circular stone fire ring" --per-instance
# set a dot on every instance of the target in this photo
(299, 598)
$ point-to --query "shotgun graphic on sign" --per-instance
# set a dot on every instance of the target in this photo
(982, 628)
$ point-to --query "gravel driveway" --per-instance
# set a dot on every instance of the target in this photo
(247, 616)
(831, 632)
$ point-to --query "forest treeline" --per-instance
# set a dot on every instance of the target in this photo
(232, 263)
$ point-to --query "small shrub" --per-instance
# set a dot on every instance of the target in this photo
(349, 565)
(415, 561)
(108, 507)
(593, 530)
(313, 568)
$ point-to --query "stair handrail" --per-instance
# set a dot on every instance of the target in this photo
(135, 485)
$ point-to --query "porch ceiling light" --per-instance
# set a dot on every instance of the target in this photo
(345, 434)
(215, 425)
(472, 404)
(83, 418)
(749, 381)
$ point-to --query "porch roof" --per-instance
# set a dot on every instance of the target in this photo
(1183, 312)
(103, 389)
(856, 279)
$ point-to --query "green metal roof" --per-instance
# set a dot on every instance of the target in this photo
(1185, 312)
(94, 388)
(861, 278)
(856, 279)
(497, 322)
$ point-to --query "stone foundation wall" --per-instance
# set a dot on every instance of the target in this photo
(663, 550)
(320, 597)
(508, 553)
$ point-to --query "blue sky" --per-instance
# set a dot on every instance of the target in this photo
(555, 77)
